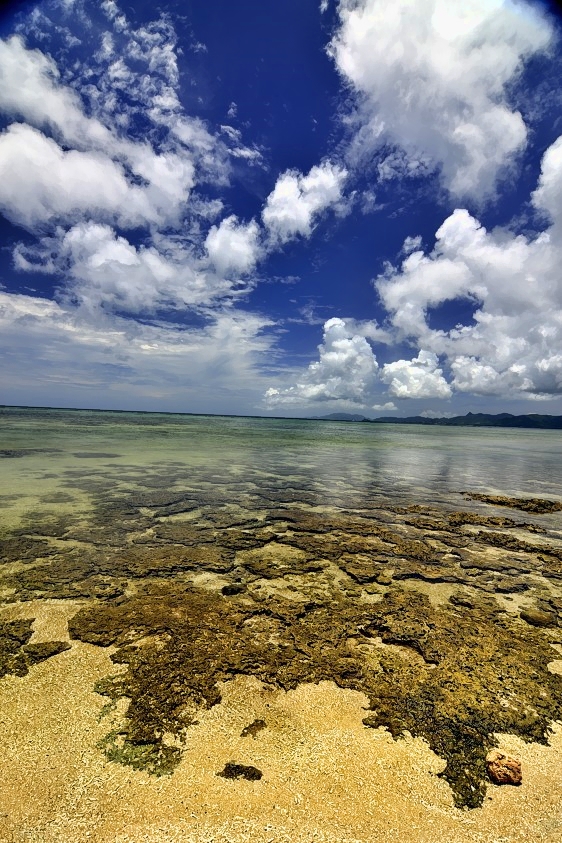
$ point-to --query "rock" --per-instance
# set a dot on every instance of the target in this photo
(538, 505)
(253, 729)
(39, 652)
(537, 617)
(240, 771)
(503, 769)
(233, 588)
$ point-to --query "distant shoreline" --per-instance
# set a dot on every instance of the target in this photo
(530, 421)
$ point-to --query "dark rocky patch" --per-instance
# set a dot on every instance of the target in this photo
(39, 652)
(538, 617)
(23, 549)
(14, 453)
(253, 729)
(460, 519)
(93, 455)
(233, 588)
(13, 635)
(57, 497)
(538, 505)
(17, 655)
(240, 771)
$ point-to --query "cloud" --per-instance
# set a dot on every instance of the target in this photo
(509, 348)
(434, 79)
(57, 350)
(40, 183)
(436, 414)
(344, 372)
(297, 200)
(512, 344)
(387, 407)
(417, 378)
(425, 281)
(548, 195)
(104, 270)
(233, 246)
(122, 154)
(104, 167)
(31, 89)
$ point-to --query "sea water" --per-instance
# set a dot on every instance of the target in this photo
(59, 459)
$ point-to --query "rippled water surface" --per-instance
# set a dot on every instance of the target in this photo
(57, 459)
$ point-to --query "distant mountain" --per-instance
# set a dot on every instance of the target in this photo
(532, 420)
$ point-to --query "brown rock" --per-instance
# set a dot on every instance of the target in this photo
(537, 617)
(503, 769)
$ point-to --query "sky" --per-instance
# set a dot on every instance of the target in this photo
(285, 209)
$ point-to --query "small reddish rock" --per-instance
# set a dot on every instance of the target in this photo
(503, 769)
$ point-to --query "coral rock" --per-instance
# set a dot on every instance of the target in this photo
(503, 769)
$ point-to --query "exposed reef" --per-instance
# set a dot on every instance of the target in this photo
(198, 580)
(17, 655)
(539, 505)
(454, 675)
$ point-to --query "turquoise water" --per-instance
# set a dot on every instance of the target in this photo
(46, 455)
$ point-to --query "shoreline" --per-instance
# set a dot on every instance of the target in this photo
(335, 617)
(326, 777)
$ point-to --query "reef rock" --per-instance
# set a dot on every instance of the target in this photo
(503, 769)
(538, 617)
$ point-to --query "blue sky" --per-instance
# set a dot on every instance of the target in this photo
(287, 208)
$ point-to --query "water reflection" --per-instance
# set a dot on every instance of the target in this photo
(79, 454)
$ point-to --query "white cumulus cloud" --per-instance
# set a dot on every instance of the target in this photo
(432, 78)
(297, 199)
(417, 378)
(345, 371)
(233, 246)
(40, 183)
(388, 406)
(512, 344)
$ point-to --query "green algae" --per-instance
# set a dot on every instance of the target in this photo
(155, 758)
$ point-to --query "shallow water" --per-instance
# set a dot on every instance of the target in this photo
(54, 460)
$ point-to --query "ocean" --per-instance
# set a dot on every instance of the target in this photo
(85, 455)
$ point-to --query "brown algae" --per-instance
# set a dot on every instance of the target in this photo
(297, 595)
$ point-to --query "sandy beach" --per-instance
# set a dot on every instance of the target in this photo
(325, 776)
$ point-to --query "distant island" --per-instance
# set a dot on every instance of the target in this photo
(531, 420)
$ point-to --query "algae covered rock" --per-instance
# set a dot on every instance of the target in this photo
(538, 505)
(240, 771)
(441, 673)
(17, 655)
(538, 617)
